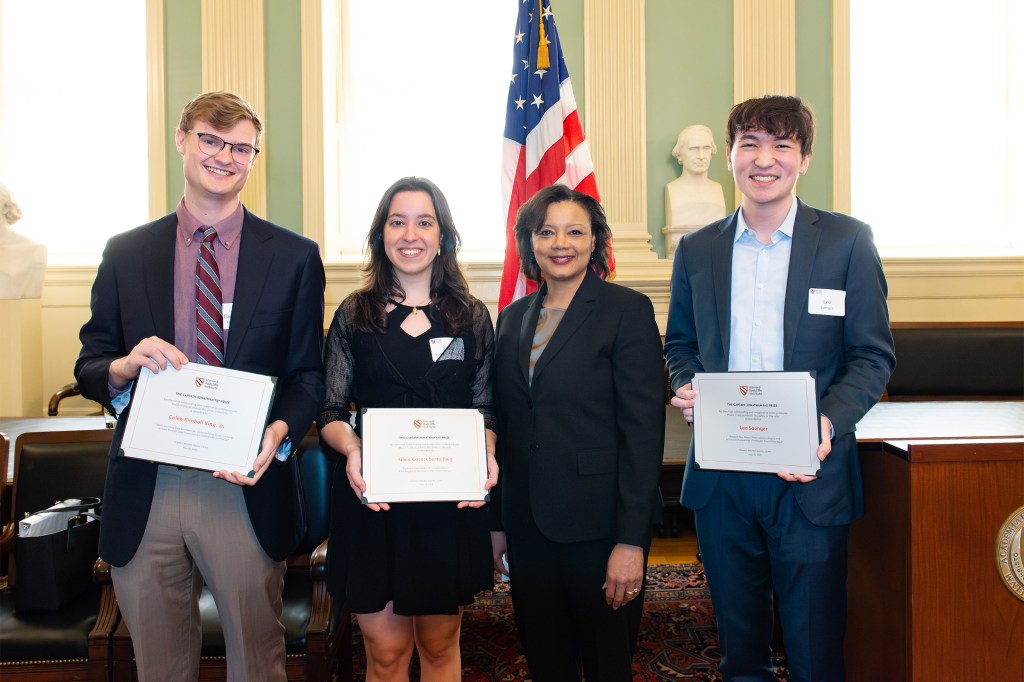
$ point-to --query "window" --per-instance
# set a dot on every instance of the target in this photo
(936, 100)
(423, 95)
(73, 121)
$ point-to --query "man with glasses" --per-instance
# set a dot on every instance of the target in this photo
(209, 283)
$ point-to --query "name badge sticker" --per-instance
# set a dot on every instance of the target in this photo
(827, 302)
(439, 346)
(226, 312)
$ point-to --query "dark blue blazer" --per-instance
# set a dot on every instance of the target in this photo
(852, 355)
(276, 330)
(580, 448)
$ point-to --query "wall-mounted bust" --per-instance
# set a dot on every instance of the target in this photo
(22, 261)
(693, 199)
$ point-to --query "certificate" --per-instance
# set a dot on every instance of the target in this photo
(423, 455)
(756, 421)
(200, 416)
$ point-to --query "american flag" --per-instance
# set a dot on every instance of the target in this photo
(544, 141)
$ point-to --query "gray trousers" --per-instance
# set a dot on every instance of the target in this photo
(199, 529)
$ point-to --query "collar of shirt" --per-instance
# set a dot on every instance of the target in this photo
(786, 228)
(228, 230)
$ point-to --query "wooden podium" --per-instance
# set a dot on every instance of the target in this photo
(926, 601)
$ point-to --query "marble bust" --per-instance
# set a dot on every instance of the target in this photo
(22, 261)
(693, 200)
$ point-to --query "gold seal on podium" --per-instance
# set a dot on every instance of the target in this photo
(1008, 556)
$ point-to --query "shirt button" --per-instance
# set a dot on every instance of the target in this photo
(760, 286)
(757, 323)
(756, 359)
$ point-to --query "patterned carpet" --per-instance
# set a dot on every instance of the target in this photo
(677, 641)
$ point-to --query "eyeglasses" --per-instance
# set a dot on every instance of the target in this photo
(210, 144)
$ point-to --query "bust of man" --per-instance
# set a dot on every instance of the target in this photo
(692, 199)
(22, 261)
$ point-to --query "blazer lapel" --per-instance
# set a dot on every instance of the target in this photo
(721, 273)
(158, 275)
(255, 258)
(527, 328)
(579, 309)
(801, 259)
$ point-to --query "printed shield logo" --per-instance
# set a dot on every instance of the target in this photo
(743, 390)
(417, 423)
(199, 382)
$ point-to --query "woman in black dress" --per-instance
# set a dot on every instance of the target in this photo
(412, 336)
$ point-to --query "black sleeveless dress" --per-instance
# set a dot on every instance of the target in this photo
(428, 557)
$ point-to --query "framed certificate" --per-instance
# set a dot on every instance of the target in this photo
(200, 416)
(756, 421)
(423, 455)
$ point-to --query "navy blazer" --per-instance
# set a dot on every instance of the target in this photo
(852, 355)
(276, 330)
(581, 447)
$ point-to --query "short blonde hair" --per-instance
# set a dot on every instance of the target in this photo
(222, 110)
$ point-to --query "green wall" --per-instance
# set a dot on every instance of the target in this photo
(283, 114)
(183, 74)
(689, 80)
(814, 83)
(569, 19)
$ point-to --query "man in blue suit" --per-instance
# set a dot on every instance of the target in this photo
(745, 297)
(166, 529)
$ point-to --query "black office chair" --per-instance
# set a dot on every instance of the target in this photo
(73, 642)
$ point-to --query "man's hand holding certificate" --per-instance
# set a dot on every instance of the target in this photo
(756, 421)
(199, 416)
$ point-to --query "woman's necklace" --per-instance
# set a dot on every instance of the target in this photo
(415, 308)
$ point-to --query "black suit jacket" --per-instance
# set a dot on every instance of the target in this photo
(851, 355)
(276, 330)
(581, 448)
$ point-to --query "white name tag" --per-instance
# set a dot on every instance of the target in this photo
(827, 302)
(226, 312)
(439, 345)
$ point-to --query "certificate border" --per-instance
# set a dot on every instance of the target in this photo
(267, 384)
(398, 496)
(813, 424)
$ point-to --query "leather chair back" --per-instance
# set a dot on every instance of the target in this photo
(53, 466)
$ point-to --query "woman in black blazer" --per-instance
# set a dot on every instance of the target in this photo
(580, 394)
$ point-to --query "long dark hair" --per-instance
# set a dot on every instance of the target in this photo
(531, 216)
(449, 291)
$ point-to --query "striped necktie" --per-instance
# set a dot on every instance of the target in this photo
(209, 314)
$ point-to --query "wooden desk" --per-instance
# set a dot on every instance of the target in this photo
(926, 602)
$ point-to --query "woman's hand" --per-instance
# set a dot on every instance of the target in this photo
(492, 480)
(354, 471)
(625, 575)
(499, 551)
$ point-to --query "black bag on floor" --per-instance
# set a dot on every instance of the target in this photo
(55, 568)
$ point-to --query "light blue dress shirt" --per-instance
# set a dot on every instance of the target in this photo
(759, 273)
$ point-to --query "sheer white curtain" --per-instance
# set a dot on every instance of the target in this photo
(73, 120)
(423, 88)
(937, 104)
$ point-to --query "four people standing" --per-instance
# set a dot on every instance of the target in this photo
(575, 416)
